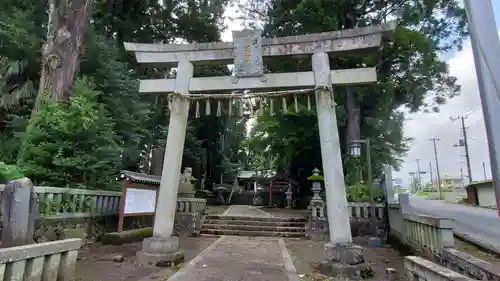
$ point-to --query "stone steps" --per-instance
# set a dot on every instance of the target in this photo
(251, 233)
(256, 223)
(263, 219)
(254, 226)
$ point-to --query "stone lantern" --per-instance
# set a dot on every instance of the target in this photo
(257, 200)
(317, 225)
(317, 204)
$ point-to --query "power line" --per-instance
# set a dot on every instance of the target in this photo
(437, 167)
(474, 139)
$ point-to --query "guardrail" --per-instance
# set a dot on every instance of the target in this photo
(428, 235)
(61, 203)
(45, 261)
(361, 210)
(470, 266)
(424, 270)
(191, 205)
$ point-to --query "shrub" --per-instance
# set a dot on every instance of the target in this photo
(9, 173)
(361, 193)
(72, 145)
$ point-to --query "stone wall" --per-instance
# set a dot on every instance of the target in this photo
(52, 229)
(44, 261)
(470, 266)
(362, 223)
(423, 270)
(317, 229)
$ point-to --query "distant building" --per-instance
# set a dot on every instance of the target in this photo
(397, 183)
(481, 193)
(451, 183)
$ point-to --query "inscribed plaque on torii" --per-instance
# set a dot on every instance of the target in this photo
(248, 53)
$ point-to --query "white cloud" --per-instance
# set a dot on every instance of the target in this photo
(425, 126)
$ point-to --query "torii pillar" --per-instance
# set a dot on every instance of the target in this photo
(163, 246)
(341, 256)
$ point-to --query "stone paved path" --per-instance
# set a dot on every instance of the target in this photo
(235, 258)
(245, 211)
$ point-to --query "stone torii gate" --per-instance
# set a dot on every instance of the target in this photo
(246, 52)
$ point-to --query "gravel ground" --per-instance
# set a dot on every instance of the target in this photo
(94, 261)
(307, 255)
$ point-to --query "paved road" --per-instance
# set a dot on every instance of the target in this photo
(482, 223)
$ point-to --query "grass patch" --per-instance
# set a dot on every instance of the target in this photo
(476, 252)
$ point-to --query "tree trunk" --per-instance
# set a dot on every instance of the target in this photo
(353, 117)
(157, 156)
(67, 26)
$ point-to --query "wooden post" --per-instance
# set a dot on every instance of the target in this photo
(19, 210)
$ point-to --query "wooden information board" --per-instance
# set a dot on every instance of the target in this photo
(138, 199)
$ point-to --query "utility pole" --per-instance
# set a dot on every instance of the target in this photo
(486, 47)
(437, 167)
(484, 171)
(432, 178)
(413, 182)
(419, 179)
(463, 143)
(462, 177)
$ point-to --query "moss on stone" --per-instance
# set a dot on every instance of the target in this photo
(315, 178)
(127, 236)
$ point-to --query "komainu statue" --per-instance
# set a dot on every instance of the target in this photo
(187, 175)
(186, 188)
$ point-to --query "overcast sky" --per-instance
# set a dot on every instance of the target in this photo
(423, 126)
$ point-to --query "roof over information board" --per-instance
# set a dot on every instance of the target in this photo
(139, 177)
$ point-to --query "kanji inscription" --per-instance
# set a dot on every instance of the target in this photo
(248, 53)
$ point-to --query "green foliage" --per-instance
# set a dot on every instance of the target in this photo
(410, 70)
(361, 193)
(128, 112)
(72, 145)
(139, 122)
(66, 203)
(9, 173)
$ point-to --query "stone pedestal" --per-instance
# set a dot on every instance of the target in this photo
(186, 190)
(317, 229)
(160, 251)
(187, 224)
(220, 195)
(344, 260)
